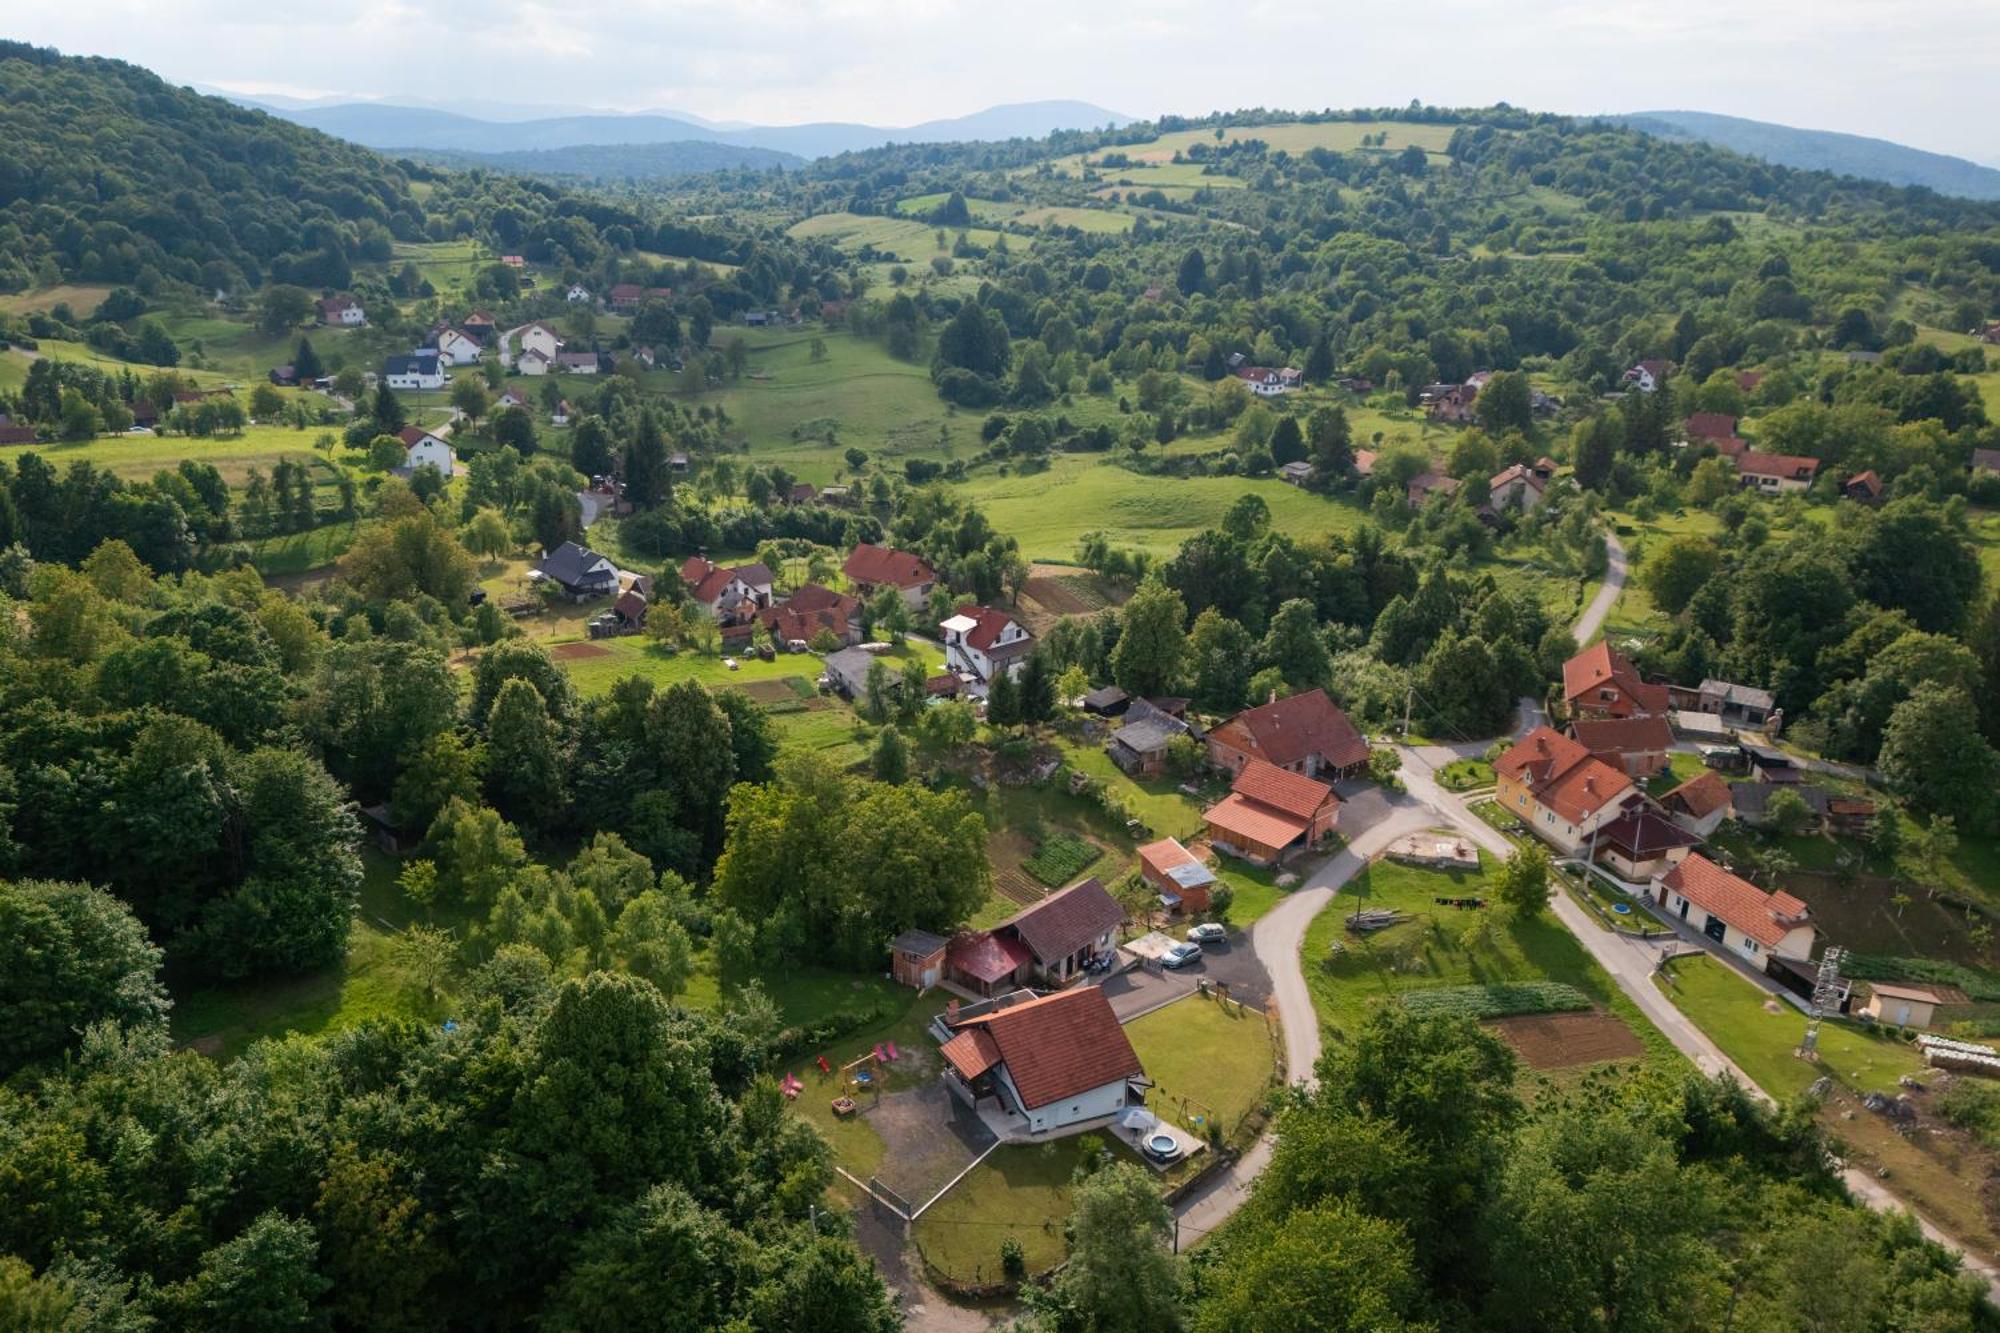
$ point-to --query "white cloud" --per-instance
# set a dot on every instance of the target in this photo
(1875, 67)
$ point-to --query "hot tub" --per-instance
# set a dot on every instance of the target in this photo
(1162, 1146)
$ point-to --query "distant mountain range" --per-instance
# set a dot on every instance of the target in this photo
(1824, 150)
(386, 126)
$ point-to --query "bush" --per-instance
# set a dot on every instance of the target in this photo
(1013, 1260)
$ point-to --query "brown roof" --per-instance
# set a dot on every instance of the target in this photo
(1921, 994)
(1710, 426)
(1290, 793)
(972, 1052)
(1642, 834)
(1065, 922)
(1764, 917)
(1865, 481)
(1518, 472)
(1257, 824)
(885, 564)
(1562, 775)
(1060, 1045)
(1285, 731)
(1624, 735)
(1164, 855)
(984, 955)
(1790, 467)
(1601, 664)
(1700, 796)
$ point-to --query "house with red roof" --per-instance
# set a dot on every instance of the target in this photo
(1772, 474)
(1050, 943)
(731, 594)
(981, 642)
(1183, 879)
(1863, 486)
(871, 568)
(1563, 791)
(423, 449)
(1710, 426)
(810, 611)
(1648, 376)
(1639, 745)
(342, 312)
(1269, 811)
(1056, 1064)
(1518, 487)
(1305, 733)
(1700, 804)
(1735, 913)
(1601, 682)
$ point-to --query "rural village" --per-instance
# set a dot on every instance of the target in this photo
(989, 738)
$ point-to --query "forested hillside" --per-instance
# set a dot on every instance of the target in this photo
(1823, 150)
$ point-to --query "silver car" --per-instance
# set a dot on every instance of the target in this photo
(1181, 955)
(1209, 932)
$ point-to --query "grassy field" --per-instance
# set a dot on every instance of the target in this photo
(1442, 946)
(1736, 1017)
(921, 206)
(140, 456)
(1211, 1063)
(868, 399)
(906, 238)
(1293, 137)
(1102, 221)
(1048, 511)
(1020, 1191)
(81, 298)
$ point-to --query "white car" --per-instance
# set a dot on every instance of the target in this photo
(1209, 932)
(1181, 955)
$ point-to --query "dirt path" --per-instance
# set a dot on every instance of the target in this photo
(1600, 606)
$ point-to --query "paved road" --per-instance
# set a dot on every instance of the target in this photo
(1600, 606)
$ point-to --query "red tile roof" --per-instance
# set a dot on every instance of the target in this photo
(1061, 1045)
(1285, 731)
(1788, 467)
(1700, 796)
(1710, 426)
(1599, 665)
(991, 625)
(1519, 472)
(1164, 855)
(1064, 922)
(1256, 824)
(1623, 735)
(1286, 792)
(972, 1052)
(1562, 775)
(885, 564)
(985, 956)
(1764, 917)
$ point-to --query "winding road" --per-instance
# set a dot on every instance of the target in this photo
(1279, 936)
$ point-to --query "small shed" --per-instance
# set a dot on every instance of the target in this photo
(1107, 702)
(916, 958)
(1907, 1006)
(1183, 881)
(383, 829)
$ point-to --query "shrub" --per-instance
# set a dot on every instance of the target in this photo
(1013, 1260)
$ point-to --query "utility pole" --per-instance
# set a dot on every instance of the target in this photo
(1409, 694)
(1825, 996)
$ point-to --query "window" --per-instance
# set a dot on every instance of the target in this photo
(1750, 946)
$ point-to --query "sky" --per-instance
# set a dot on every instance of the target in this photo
(1878, 67)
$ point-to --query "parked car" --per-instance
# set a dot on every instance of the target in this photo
(1181, 955)
(1209, 932)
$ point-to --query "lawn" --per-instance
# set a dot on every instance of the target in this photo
(1156, 802)
(1047, 511)
(1444, 947)
(82, 299)
(1020, 1190)
(1680, 767)
(1466, 775)
(140, 456)
(856, 1145)
(1211, 1063)
(1736, 1017)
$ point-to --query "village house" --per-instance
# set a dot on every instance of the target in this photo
(534, 362)
(1712, 427)
(343, 312)
(1736, 913)
(1183, 880)
(1295, 474)
(512, 398)
(1449, 403)
(531, 337)
(284, 377)
(1364, 462)
(801, 493)
(872, 568)
(981, 642)
(455, 346)
(1563, 792)
(1266, 382)
(418, 370)
(1304, 733)
(1700, 804)
(1140, 744)
(1639, 745)
(727, 593)
(1770, 474)
(1648, 376)
(1601, 682)
(1428, 485)
(578, 363)
(1051, 943)
(630, 609)
(580, 572)
(1270, 810)
(1518, 487)
(1988, 332)
(576, 293)
(1642, 844)
(1059, 1063)
(423, 449)
(1737, 705)
(847, 671)
(14, 432)
(812, 611)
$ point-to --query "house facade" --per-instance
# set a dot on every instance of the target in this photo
(418, 370)
(1700, 804)
(727, 594)
(1735, 913)
(1518, 487)
(1269, 811)
(342, 312)
(1563, 792)
(458, 348)
(981, 642)
(1600, 682)
(423, 449)
(1774, 474)
(580, 572)
(534, 337)
(1182, 880)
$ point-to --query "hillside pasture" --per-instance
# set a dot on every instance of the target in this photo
(906, 238)
(921, 206)
(81, 297)
(140, 456)
(1100, 221)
